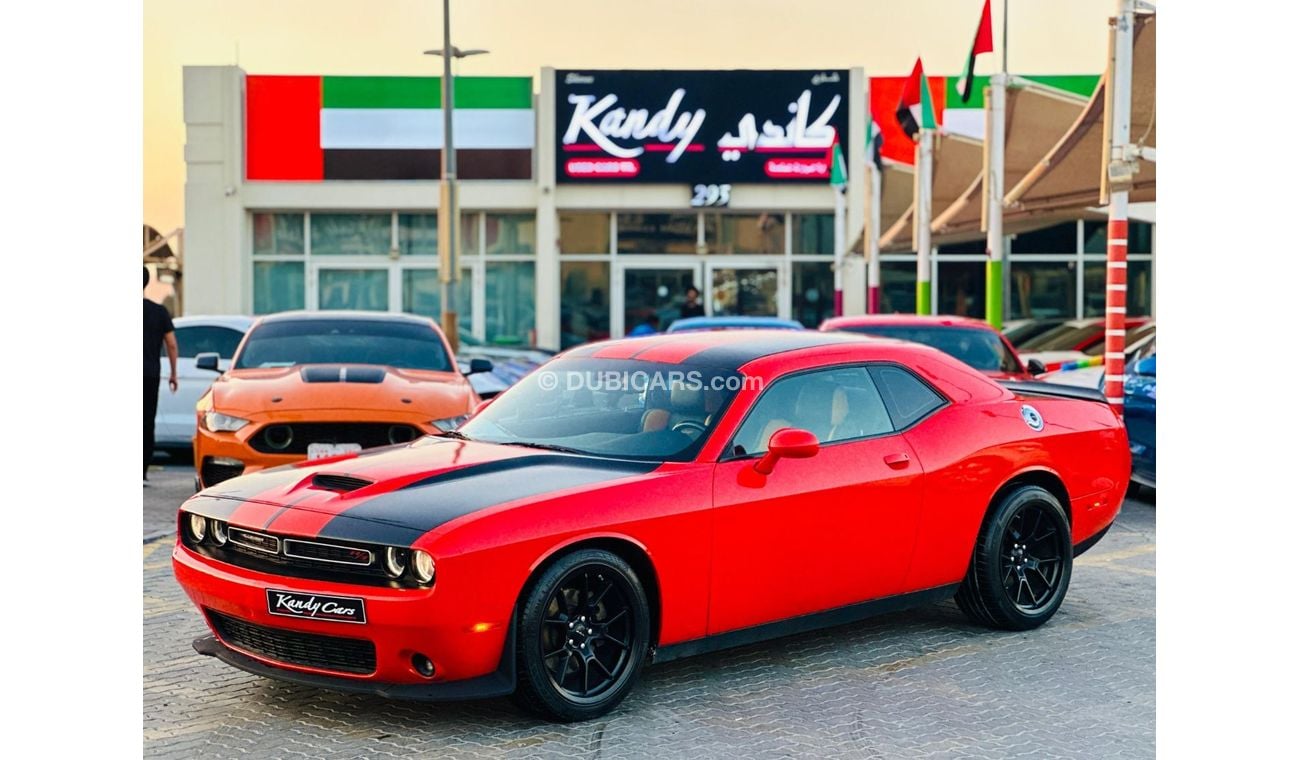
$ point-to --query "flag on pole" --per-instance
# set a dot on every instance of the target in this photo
(983, 44)
(875, 141)
(916, 94)
(839, 172)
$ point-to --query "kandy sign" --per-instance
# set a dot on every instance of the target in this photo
(687, 127)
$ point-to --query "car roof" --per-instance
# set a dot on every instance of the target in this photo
(726, 349)
(903, 320)
(360, 316)
(709, 323)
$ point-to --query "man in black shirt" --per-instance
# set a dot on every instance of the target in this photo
(157, 331)
(692, 307)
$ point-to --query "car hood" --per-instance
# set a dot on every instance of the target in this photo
(397, 494)
(340, 386)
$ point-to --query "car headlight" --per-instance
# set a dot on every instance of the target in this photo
(198, 525)
(396, 560)
(218, 532)
(422, 565)
(448, 424)
(222, 423)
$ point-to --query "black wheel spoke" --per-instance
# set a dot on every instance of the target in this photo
(615, 617)
(596, 602)
(584, 606)
(561, 650)
(608, 672)
(616, 642)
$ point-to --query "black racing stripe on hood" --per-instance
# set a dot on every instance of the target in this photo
(416, 509)
(214, 507)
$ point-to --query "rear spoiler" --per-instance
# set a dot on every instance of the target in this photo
(1038, 388)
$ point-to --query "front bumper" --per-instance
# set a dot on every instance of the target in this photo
(470, 659)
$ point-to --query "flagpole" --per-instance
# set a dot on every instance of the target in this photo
(996, 104)
(921, 215)
(872, 236)
(1121, 76)
(840, 217)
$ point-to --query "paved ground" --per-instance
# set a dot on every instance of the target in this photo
(923, 683)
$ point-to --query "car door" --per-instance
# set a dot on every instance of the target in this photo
(817, 533)
(174, 424)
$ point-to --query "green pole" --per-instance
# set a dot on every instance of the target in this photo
(922, 296)
(993, 287)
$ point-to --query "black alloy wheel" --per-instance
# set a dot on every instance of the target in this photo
(584, 634)
(1020, 569)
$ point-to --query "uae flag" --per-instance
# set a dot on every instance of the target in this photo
(359, 128)
(983, 44)
(916, 106)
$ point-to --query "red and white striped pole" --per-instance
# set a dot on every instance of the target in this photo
(1121, 76)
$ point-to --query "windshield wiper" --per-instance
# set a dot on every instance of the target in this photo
(543, 446)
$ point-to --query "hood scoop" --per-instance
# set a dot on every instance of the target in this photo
(339, 483)
(342, 374)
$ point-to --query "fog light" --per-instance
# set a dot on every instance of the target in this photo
(227, 462)
(423, 665)
(278, 437)
(198, 528)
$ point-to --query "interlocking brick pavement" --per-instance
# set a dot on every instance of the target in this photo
(923, 683)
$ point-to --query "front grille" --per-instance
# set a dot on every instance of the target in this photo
(307, 649)
(211, 473)
(259, 542)
(343, 555)
(294, 438)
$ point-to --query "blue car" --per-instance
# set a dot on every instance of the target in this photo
(1140, 416)
(696, 324)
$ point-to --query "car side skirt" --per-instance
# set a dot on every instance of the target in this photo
(840, 615)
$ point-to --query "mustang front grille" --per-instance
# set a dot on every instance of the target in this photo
(310, 650)
(295, 437)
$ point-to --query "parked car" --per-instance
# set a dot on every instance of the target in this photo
(1017, 331)
(1078, 338)
(174, 424)
(509, 364)
(970, 340)
(307, 385)
(696, 324)
(752, 484)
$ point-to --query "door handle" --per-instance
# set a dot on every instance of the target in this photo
(897, 461)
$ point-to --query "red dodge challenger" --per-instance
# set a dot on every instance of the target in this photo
(642, 500)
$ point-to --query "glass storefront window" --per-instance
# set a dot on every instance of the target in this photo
(584, 301)
(657, 233)
(510, 310)
(812, 233)
(507, 234)
(583, 232)
(354, 289)
(277, 234)
(813, 296)
(351, 234)
(1042, 290)
(417, 234)
(278, 286)
(469, 234)
(422, 295)
(1139, 288)
(898, 287)
(745, 233)
(744, 292)
(960, 288)
(1059, 238)
(655, 292)
(1139, 237)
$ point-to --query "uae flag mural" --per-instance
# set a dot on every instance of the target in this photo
(311, 128)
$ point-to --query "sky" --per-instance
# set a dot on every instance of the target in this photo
(387, 37)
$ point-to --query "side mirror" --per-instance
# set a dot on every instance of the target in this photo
(1035, 367)
(481, 406)
(208, 361)
(479, 365)
(787, 442)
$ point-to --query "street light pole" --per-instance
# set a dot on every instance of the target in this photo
(448, 206)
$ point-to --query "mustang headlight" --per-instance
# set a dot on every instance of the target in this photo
(222, 423)
(198, 526)
(448, 424)
(396, 561)
(422, 564)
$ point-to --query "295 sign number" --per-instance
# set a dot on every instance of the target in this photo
(711, 195)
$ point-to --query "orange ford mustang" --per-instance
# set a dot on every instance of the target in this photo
(309, 385)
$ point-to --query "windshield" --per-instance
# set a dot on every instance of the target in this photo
(610, 407)
(404, 345)
(1064, 337)
(981, 349)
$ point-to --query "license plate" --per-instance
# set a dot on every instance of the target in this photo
(322, 450)
(341, 609)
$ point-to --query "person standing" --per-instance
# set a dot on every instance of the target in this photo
(692, 307)
(158, 330)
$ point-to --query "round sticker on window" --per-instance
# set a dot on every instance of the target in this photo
(1032, 418)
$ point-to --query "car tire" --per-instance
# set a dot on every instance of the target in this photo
(584, 631)
(1020, 568)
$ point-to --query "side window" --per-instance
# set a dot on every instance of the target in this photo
(907, 398)
(838, 404)
(192, 341)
